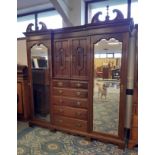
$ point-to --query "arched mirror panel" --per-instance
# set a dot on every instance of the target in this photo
(106, 85)
(40, 81)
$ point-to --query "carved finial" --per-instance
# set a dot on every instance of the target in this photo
(44, 27)
(107, 17)
(29, 28)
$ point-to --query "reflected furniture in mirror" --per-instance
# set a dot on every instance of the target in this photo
(39, 57)
(23, 110)
(79, 80)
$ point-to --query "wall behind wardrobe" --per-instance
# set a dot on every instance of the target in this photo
(21, 52)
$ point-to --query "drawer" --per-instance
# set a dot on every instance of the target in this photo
(79, 84)
(135, 109)
(70, 123)
(72, 102)
(70, 92)
(135, 121)
(70, 112)
(61, 83)
(134, 133)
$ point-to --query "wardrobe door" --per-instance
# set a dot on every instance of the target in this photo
(110, 52)
(80, 57)
(61, 57)
(39, 54)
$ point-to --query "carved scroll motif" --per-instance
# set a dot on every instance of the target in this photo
(95, 18)
(119, 16)
(29, 27)
(43, 27)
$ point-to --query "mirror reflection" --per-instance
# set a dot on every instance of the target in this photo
(107, 64)
(40, 72)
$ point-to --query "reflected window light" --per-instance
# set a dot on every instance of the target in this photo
(102, 55)
(110, 55)
(46, 57)
(117, 55)
(97, 55)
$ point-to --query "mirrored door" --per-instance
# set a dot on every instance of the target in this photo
(40, 81)
(106, 86)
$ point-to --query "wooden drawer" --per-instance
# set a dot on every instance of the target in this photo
(134, 133)
(70, 112)
(70, 123)
(70, 92)
(135, 109)
(72, 102)
(79, 84)
(135, 121)
(61, 83)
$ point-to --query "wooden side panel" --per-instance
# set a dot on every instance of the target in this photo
(19, 98)
(80, 54)
(61, 59)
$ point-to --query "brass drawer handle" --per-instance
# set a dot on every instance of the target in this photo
(78, 84)
(78, 125)
(60, 121)
(78, 103)
(60, 91)
(78, 93)
(60, 84)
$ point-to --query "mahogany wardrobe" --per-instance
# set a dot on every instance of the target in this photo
(78, 78)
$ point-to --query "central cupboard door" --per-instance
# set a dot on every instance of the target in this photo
(71, 58)
(61, 59)
(80, 58)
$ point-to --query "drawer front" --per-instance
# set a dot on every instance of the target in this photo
(70, 112)
(135, 109)
(72, 102)
(70, 123)
(61, 83)
(70, 92)
(135, 121)
(79, 84)
(134, 133)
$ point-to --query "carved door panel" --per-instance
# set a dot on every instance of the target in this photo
(80, 58)
(61, 59)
